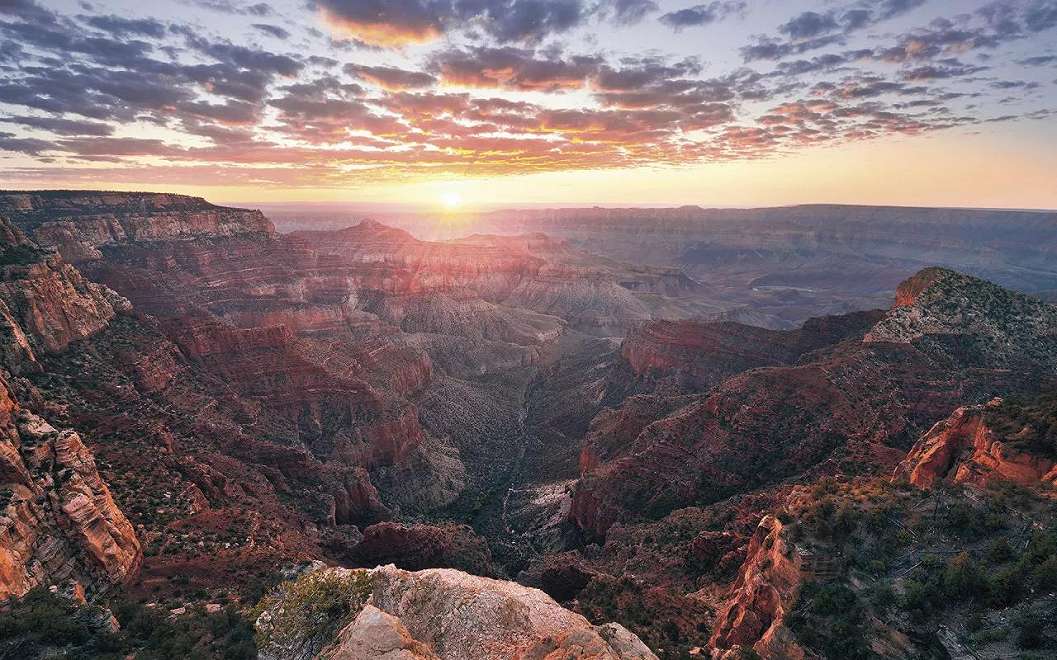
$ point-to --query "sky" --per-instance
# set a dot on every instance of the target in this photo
(484, 103)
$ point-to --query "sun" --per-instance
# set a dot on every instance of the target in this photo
(451, 200)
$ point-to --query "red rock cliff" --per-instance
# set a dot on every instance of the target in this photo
(80, 223)
(964, 449)
(766, 589)
(46, 303)
(58, 520)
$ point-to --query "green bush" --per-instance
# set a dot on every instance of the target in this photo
(1006, 587)
(962, 578)
(829, 618)
(1045, 574)
(917, 597)
(45, 624)
(226, 635)
(999, 551)
(311, 607)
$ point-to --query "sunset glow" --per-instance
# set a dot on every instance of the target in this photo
(451, 200)
(722, 103)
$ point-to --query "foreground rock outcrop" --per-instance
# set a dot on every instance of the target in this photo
(435, 613)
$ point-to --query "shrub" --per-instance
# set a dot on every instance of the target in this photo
(226, 634)
(1006, 587)
(882, 597)
(962, 578)
(1045, 574)
(314, 606)
(999, 551)
(919, 598)
(1030, 631)
(45, 624)
(829, 618)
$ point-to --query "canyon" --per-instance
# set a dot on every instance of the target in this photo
(772, 267)
(565, 418)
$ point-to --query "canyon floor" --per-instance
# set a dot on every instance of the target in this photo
(788, 433)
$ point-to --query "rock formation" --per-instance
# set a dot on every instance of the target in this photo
(694, 356)
(764, 592)
(58, 520)
(957, 339)
(45, 303)
(965, 449)
(447, 614)
(971, 320)
(80, 224)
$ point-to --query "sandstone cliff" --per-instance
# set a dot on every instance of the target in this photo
(763, 594)
(45, 303)
(966, 448)
(58, 520)
(82, 223)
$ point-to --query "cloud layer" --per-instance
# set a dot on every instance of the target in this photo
(493, 87)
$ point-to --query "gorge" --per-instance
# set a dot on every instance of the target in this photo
(573, 422)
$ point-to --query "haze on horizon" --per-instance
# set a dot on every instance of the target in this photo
(485, 103)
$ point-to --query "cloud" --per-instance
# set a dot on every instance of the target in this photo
(390, 23)
(628, 12)
(272, 30)
(390, 77)
(27, 10)
(811, 30)
(259, 9)
(941, 71)
(513, 68)
(809, 25)
(699, 15)
(767, 48)
(61, 126)
(263, 113)
(120, 27)
(1038, 60)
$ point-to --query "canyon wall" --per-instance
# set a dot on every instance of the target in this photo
(58, 520)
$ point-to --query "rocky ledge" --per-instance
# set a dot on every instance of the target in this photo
(430, 614)
(768, 583)
(80, 223)
(984, 445)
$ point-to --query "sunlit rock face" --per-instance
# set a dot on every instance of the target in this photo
(61, 522)
(81, 223)
(446, 614)
(58, 520)
(764, 592)
(965, 448)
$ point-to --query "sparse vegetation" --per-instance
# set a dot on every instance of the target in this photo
(46, 625)
(312, 607)
(1029, 423)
